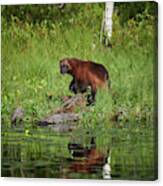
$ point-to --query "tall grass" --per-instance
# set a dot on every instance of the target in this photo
(30, 68)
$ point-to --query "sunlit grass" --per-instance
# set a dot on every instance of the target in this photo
(30, 70)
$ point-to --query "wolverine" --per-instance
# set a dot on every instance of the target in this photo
(85, 74)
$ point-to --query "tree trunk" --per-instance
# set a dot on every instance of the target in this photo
(107, 24)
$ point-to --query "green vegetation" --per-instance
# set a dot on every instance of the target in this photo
(30, 73)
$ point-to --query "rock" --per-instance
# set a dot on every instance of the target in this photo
(17, 116)
(63, 119)
(63, 127)
(59, 119)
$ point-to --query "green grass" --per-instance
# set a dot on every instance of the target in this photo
(30, 68)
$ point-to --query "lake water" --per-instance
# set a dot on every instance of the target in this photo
(113, 153)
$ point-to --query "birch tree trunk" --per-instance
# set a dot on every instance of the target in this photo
(107, 24)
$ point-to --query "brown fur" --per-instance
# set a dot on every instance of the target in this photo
(85, 73)
(94, 158)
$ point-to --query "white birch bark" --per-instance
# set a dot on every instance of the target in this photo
(106, 26)
(108, 18)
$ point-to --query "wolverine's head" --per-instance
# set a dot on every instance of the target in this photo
(65, 66)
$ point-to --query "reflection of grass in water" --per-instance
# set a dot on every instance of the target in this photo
(30, 72)
(131, 154)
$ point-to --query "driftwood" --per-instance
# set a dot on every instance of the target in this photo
(71, 103)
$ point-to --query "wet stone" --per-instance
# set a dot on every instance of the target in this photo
(63, 127)
(60, 118)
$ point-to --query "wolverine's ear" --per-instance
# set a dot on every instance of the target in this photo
(66, 62)
(63, 61)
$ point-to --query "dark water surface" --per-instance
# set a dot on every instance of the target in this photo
(115, 153)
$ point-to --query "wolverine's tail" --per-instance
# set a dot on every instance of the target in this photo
(108, 79)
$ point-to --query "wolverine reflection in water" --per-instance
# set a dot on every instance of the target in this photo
(88, 160)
